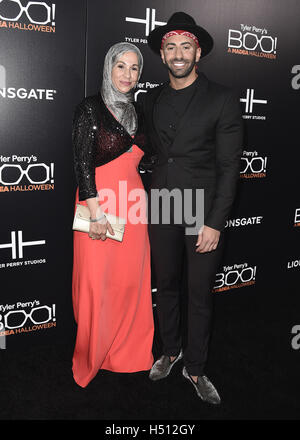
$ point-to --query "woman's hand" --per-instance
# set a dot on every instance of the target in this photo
(98, 229)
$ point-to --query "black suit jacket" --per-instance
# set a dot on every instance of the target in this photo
(206, 151)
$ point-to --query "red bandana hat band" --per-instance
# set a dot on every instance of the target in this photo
(180, 32)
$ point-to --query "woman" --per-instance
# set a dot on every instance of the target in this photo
(111, 280)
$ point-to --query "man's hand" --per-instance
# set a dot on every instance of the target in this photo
(208, 239)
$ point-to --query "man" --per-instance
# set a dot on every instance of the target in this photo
(195, 127)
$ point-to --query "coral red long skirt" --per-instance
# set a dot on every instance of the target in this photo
(112, 284)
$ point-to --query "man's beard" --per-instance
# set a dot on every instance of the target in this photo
(184, 72)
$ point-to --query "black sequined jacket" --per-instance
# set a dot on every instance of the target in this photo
(99, 138)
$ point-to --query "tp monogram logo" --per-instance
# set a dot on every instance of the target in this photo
(150, 21)
(17, 250)
(36, 12)
(249, 101)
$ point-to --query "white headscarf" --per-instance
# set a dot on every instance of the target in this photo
(120, 103)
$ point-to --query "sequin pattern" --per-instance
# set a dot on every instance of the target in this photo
(99, 138)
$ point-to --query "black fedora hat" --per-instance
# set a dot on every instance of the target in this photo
(181, 21)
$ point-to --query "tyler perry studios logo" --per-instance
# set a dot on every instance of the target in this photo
(27, 16)
(235, 277)
(250, 102)
(253, 165)
(37, 94)
(24, 317)
(146, 25)
(25, 173)
(252, 41)
(13, 250)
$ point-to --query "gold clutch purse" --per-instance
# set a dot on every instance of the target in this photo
(81, 222)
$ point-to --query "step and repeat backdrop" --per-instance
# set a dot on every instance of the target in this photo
(42, 65)
(51, 57)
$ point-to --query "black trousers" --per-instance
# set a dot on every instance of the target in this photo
(169, 246)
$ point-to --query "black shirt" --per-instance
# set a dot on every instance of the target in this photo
(169, 108)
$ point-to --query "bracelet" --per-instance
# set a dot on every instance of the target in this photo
(97, 219)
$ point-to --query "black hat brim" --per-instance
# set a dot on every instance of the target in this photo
(206, 41)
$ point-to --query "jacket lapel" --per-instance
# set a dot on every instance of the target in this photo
(152, 110)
